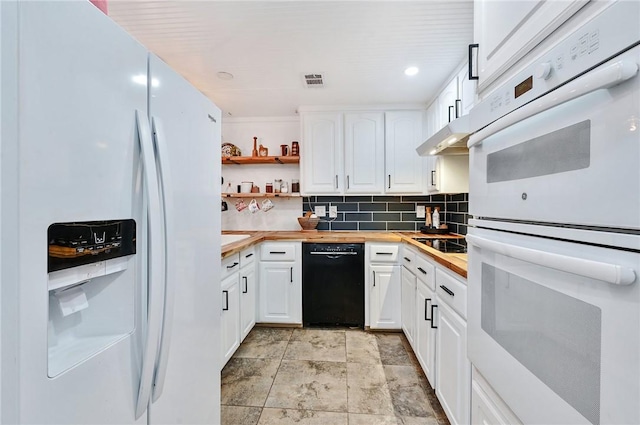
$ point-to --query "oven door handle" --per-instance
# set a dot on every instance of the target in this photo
(605, 272)
(590, 82)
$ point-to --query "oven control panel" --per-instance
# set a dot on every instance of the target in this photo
(590, 45)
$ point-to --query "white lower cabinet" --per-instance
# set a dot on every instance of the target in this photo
(408, 303)
(453, 369)
(385, 307)
(280, 283)
(487, 408)
(247, 292)
(230, 321)
(425, 340)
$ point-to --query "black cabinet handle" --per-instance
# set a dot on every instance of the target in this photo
(291, 274)
(226, 303)
(232, 266)
(471, 47)
(246, 286)
(248, 255)
(447, 290)
(336, 181)
(433, 177)
(374, 278)
(458, 107)
(384, 253)
(426, 304)
(407, 259)
(433, 307)
(277, 252)
(450, 111)
(422, 270)
(347, 182)
(389, 181)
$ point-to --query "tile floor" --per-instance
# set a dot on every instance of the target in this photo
(326, 377)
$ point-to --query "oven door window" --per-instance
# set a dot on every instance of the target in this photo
(555, 336)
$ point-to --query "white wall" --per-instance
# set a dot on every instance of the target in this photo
(271, 132)
(283, 216)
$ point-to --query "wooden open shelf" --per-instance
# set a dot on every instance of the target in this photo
(240, 160)
(260, 195)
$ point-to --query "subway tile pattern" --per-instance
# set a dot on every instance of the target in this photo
(390, 212)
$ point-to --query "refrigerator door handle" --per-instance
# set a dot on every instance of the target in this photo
(166, 195)
(156, 265)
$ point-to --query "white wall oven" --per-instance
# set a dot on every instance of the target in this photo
(554, 247)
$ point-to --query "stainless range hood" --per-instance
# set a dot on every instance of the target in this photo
(450, 140)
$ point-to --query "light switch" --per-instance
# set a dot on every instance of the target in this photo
(321, 211)
(420, 211)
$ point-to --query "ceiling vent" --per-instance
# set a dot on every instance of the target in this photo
(313, 80)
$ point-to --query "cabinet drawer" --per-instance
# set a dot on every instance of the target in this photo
(409, 258)
(248, 256)
(425, 271)
(452, 291)
(230, 265)
(278, 252)
(380, 253)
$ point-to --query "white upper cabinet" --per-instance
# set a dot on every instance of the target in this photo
(322, 157)
(466, 93)
(433, 119)
(364, 152)
(447, 103)
(404, 168)
(507, 30)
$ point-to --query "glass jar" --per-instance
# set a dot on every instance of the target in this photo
(268, 188)
(277, 184)
(295, 186)
(285, 187)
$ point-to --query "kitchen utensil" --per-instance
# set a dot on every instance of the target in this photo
(240, 205)
(285, 150)
(246, 187)
(263, 151)
(267, 205)
(253, 206)
(254, 152)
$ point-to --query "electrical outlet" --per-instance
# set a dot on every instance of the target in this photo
(333, 211)
(321, 211)
(420, 211)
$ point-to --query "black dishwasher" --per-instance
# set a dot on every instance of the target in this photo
(333, 284)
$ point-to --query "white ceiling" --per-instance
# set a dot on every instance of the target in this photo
(361, 47)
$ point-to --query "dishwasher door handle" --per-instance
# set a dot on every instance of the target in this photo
(332, 253)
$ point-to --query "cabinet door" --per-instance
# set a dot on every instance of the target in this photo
(321, 153)
(385, 297)
(466, 93)
(447, 103)
(404, 168)
(408, 302)
(433, 119)
(448, 174)
(364, 152)
(247, 300)
(230, 317)
(425, 339)
(280, 292)
(506, 31)
(453, 370)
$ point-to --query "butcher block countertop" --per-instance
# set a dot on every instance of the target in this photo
(455, 262)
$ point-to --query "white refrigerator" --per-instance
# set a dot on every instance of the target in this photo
(96, 132)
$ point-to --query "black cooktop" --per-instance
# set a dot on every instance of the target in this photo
(449, 246)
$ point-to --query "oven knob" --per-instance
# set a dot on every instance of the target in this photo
(543, 70)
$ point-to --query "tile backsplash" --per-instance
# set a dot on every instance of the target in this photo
(390, 212)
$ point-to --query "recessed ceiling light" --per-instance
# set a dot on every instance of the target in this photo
(412, 70)
(225, 75)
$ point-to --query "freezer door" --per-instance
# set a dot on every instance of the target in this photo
(80, 80)
(187, 134)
